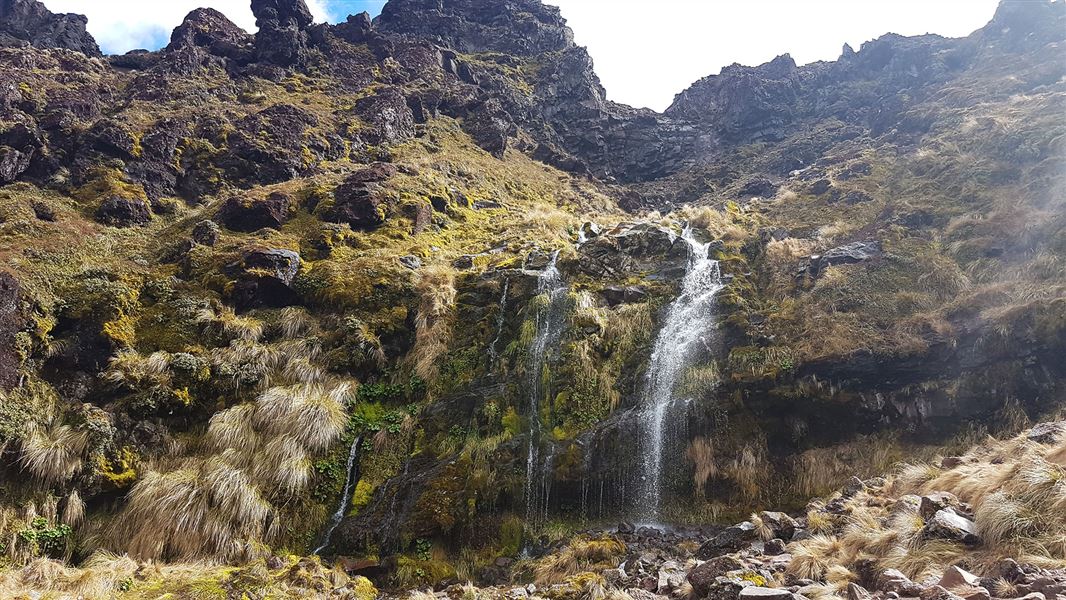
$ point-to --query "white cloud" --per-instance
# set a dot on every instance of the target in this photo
(645, 52)
(123, 25)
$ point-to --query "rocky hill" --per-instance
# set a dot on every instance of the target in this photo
(410, 291)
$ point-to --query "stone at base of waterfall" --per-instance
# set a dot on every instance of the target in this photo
(1047, 433)
(948, 524)
(780, 525)
(671, 576)
(930, 504)
(703, 576)
(731, 538)
(763, 593)
(896, 582)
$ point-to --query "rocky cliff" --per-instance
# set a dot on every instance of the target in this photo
(428, 242)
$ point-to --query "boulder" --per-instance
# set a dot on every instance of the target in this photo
(935, 502)
(894, 581)
(359, 200)
(13, 163)
(950, 525)
(852, 487)
(490, 126)
(123, 212)
(387, 115)
(847, 254)
(264, 278)
(411, 262)
(774, 547)
(731, 538)
(779, 524)
(242, 213)
(616, 294)
(857, 592)
(590, 230)
(671, 576)
(205, 233)
(702, 576)
(1047, 433)
(954, 577)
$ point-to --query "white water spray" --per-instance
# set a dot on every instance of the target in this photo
(683, 338)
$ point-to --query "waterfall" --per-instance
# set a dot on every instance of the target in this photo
(548, 321)
(352, 476)
(682, 340)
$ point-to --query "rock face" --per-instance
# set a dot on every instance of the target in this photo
(359, 201)
(283, 37)
(209, 29)
(264, 278)
(29, 22)
(249, 214)
(123, 212)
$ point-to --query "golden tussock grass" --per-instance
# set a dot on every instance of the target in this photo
(1016, 487)
(54, 454)
(435, 287)
(582, 554)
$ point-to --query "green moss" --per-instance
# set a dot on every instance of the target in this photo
(361, 496)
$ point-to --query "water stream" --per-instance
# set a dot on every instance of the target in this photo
(549, 320)
(682, 340)
(351, 477)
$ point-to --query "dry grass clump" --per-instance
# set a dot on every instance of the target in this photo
(224, 505)
(54, 454)
(1016, 487)
(700, 452)
(728, 225)
(435, 287)
(582, 554)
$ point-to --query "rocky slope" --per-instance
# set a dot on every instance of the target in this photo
(428, 242)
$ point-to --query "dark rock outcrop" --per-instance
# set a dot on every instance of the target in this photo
(123, 212)
(241, 213)
(264, 278)
(360, 200)
(30, 22)
(283, 38)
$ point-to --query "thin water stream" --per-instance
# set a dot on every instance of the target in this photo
(351, 477)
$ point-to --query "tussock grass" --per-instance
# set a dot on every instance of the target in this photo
(435, 287)
(54, 454)
(582, 554)
(1017, 493)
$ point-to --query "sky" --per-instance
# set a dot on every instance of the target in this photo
(644, 51)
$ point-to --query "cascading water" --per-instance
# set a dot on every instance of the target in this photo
(548, 320)
(352, 470)
(688, 322)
